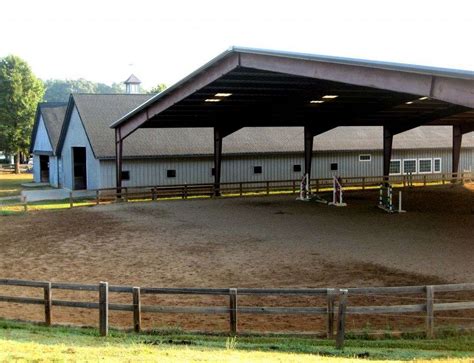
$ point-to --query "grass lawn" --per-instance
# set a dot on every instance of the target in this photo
(22, 341)
(10, 184)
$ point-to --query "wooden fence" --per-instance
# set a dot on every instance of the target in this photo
(336, 300)
(185, 191)
(249, 188)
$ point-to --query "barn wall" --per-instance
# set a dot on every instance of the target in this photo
(76, 137)
(274, 167)
(36, 169)
(42, 143)
(53, 171)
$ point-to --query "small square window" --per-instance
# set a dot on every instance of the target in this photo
(334, 166)
(297, 168)
(125, 175)
(213, 171)
(409, 166)
(395, 167)
(365, 157)
(171, 173)
(424, 165)
(257, 170)
(437, 165)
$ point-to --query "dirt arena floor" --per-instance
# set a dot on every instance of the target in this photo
(241, 242)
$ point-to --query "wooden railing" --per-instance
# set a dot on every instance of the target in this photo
(185, 191)
(249, 188)
(336, 300)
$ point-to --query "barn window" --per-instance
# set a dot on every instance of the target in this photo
(213, 171)
(297, 168)
(395, 167)
(257, 170)
(409, 166)
(424, 165)
(334, 166)
(365, 157)
(437, 165)
(171, 173)
(125, 175)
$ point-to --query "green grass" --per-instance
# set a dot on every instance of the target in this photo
(10, 184)
(23, 341)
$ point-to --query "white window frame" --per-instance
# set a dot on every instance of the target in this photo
(401, 167)
(365, 161)
(440, 165)
(416, 166)
(431, 166)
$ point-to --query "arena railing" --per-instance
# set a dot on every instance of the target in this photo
(336, 301)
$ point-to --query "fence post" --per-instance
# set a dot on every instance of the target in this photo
(424, 180)
(294, 186)
(48, 304)
(137, 310)
(185, 194)
(104, 308)
(241, 192)
(97, 197)
(429, 311)
(153, 195)
(341, 319)
(317, 185)
(331, 297)
(268, 188)
(25, 203)
(363, 183)
(70, 200)
(233, 311)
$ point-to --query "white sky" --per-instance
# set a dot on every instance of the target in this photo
(163, 41)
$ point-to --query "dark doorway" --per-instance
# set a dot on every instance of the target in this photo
(79, 168)
(44, 168)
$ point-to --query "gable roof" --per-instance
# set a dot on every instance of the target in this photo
(53, 114)
(97, 111)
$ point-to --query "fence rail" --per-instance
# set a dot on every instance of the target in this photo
(333, 296)
(185, 191)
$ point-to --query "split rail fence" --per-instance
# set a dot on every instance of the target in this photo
(336, 300)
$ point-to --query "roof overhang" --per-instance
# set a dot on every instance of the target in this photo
(269, 88)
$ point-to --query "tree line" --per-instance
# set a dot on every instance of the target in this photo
(20, 93)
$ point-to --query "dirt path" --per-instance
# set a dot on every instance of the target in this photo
(247, 242)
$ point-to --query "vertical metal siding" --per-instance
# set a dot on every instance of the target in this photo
(274, 167)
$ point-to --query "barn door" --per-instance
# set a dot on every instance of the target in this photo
(79, 168)
(44, 168)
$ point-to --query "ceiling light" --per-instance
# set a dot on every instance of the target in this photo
(423, 98)
(223, 94)
(409, 102)
(330, 97)
(316, 101)
(213, 100)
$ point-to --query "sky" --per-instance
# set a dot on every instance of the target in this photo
(163, 41)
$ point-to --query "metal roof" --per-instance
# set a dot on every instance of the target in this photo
(383, 89)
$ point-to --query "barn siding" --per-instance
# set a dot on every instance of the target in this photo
(76, 137)
(42, 143)
(42, 146)
(274, 167)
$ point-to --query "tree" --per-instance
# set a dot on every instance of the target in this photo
(58, 90)
(158, 88)
(20, 92)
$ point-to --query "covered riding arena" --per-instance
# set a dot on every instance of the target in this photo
(258, 88)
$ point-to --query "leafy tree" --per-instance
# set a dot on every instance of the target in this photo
(20, 92)
(158, 88)
(58, 90)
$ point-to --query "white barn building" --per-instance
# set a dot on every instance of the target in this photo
(86, 150)
(44, 141)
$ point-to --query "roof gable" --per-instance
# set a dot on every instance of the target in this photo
(51, 114)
